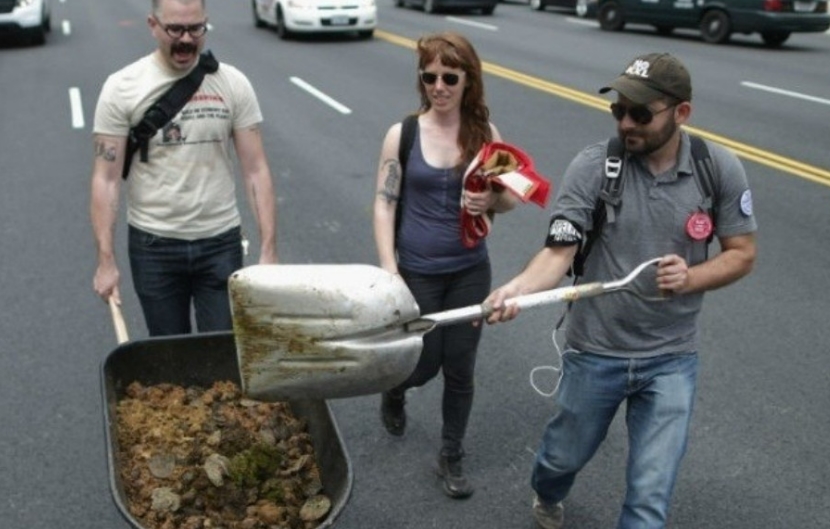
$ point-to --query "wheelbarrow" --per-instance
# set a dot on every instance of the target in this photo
(201, 360)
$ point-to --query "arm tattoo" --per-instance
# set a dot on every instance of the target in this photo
(393, 179)
(105, 151)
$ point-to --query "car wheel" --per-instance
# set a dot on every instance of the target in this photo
(429, 6)
(664, 30)
(773, 39)
(282, 31)
(611, 17)
(488, 10)
(366, 34)
(400, 3)
(537, 5)
(715, 27)
(258, 22)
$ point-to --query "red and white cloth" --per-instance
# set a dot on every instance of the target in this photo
(508, 167)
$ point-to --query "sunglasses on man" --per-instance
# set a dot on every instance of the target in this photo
(449, 79)
(639, 114)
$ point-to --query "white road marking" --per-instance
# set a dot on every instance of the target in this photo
(787, 93)
(466, 22)
(66, 28)
(321, 96)
(583, 21)
(77, 108)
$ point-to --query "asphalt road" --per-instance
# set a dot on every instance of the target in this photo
(756, 457)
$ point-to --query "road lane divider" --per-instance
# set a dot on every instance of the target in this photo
(76, 107)
(787, 165)
(473, 23)
(321, 96)
(783, 92)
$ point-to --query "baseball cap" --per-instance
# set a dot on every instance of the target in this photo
(652, 76)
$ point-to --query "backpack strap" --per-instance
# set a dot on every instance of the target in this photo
(705, 177)
(610, 197)
(164, 109)
(409, 126)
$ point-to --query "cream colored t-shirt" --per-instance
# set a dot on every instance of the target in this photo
(186, 190)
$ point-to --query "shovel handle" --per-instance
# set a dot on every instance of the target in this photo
(528, 301)
(546, 297)
(118, 321)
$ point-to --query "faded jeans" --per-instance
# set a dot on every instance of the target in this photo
(170, 274)
(659, 394)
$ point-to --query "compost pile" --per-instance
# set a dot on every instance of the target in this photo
(195, 458)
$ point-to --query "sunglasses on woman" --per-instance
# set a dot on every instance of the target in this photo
(639, 114)
(449, 79)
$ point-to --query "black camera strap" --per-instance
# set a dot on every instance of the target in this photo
(165, 108)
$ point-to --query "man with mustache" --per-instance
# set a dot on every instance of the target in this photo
(621, 348)
(183, 220)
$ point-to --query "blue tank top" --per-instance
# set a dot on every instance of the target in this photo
(429, 237)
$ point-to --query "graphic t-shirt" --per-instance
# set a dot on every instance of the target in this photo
(186, 190)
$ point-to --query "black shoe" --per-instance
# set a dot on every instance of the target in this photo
(392, 413)
(455, 484)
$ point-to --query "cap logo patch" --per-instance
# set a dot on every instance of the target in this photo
(639, 68)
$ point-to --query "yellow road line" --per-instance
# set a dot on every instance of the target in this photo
(763, 157)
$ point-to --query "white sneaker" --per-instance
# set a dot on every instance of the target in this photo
(548, 517)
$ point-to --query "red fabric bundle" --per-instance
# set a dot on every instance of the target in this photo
(500, 165)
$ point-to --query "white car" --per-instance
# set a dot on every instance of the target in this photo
(311, 16)
(31, 18)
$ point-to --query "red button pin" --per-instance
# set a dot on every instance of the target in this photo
(699, 226)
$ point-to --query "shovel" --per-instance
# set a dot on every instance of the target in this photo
(327, 331)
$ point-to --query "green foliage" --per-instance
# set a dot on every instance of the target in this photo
(251, 467)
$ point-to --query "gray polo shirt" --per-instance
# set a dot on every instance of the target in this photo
(651, 222)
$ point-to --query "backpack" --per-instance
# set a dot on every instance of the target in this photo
(164, 109)
(610, 196)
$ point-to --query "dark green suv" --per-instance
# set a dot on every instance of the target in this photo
(717, 20)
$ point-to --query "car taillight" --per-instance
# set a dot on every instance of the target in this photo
(773, 5)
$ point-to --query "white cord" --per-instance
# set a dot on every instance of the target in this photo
(556, 369)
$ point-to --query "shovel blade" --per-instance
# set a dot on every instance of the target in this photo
(322, 331)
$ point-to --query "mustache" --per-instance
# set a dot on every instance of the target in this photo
(183, 47)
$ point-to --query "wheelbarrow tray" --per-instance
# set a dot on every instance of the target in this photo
(201, 360)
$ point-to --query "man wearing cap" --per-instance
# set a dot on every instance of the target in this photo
(621, 348)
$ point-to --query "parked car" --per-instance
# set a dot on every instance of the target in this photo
(28, 18)
(433, 6)
(582, 8)
(316, 16)
(717, 20)
(586, 8)
(540, 5)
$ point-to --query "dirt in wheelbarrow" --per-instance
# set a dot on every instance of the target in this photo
(206, 458)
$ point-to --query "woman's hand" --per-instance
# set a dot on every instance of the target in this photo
(479, 202)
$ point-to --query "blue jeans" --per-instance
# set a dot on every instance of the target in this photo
(170, 274)
(450, 349)
(659, 394)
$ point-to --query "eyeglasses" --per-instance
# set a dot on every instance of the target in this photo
(449, 79)
(640, 114)
(177, 31)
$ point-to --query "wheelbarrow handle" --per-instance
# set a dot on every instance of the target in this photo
(527, 301)
(118, 321)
